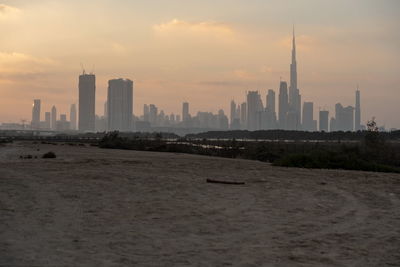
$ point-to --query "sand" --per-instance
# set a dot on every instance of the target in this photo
(101, 207)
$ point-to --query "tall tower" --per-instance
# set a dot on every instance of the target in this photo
(185, 111)
(87, 100)
(294, 92)
(357, 115)
(54, 118)
(72, 117)
(283, 105)
(36, 114)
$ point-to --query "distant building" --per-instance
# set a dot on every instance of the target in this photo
(271, 101)
(35, 124)
(254, 106)
(357, 115)
(243, 115)
(185, 111)
(146, 112)
(344, 118)
(63, 124)
(87, 101)
(120, 104)
(283, 105)
(47, 120)
(54, 118)
(308, 116)
(294, 93)
(72, 117)
(323, 120)
(153, 114)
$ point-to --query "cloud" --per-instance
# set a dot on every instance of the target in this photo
(203, 29)
(8, 12)
(20, 66)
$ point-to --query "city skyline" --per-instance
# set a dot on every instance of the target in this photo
(330, 61)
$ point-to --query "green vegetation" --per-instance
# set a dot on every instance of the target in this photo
(372, 153)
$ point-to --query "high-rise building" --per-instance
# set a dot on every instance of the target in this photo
(87, 101)
(233, 111)
(308, 116)
(254, 106)
(294, 92)
(120, 105)
(243, 115)
(72, 117)
(323, 120)
(357, 115)
(283, 105)
(153, 114)
(54, 118)
(146, 112)
(271, 100)
(185, 111)
(47, 120)
(344, 118)
(36, 114)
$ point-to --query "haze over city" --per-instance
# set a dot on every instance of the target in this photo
(206, 53)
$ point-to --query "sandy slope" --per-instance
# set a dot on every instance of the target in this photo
(95, 207)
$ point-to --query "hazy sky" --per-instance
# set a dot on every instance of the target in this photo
(205, 52)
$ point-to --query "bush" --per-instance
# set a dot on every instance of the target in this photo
(49, 155)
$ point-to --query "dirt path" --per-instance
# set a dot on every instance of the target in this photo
(94, 207)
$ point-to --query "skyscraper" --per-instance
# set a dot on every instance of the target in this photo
(357, 115)
(243, 115)
(308, 116)
(344, 118)
(72, 117)
(271, 100)
(254, 106)
(185, 111)
(36, 114)
(54, 118)
(87, 100)
(283, 105)
(294, 92)
(120, 104)
(47, 120)
(323, 120)
(233, 111)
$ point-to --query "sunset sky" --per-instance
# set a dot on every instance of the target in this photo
(204, 52)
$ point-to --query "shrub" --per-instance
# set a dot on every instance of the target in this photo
(49, 155)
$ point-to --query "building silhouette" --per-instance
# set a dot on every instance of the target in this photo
(35, 123)
(357, 114)
(120, 105)
(87, 102)
(294, 93)
(54, 118)
(72, 117)
(344, 118)
(283, 105)
(185, 112)
(47, 120)
(323, 120)
(254, 107)
(309, 124)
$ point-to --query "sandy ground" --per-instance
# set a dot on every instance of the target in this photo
(97, 207)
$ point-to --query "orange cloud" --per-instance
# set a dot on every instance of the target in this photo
(18, 65)
(8, 12)
(204, 29)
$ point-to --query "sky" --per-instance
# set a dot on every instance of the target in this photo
(204, 52)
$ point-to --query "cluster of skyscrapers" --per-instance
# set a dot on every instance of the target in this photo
(252, 114)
